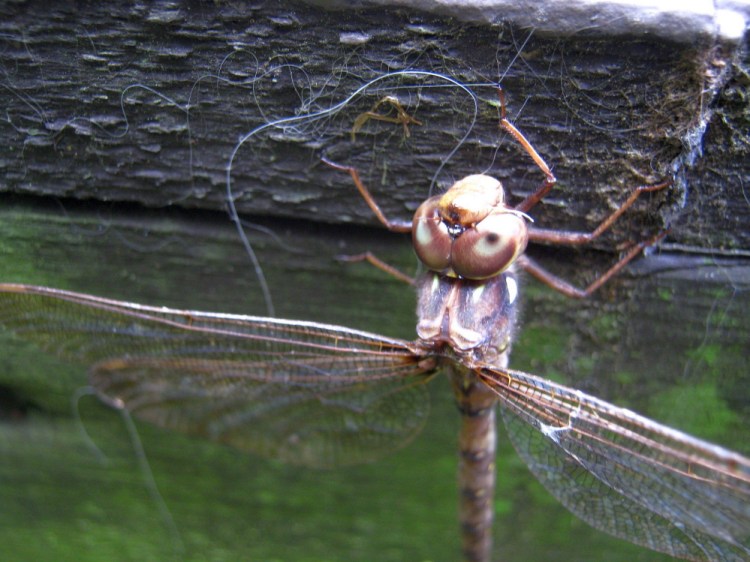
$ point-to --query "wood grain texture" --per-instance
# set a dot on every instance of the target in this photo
(145, 102)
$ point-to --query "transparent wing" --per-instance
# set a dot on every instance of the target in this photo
(627, 475)
(302, 392)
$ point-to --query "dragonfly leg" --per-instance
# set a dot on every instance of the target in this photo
(549, 178)
(549, 182)
(570, 238)
(372, 259)
(393, 226)
(564, 287)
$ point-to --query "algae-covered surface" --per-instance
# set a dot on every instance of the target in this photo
(668, 341)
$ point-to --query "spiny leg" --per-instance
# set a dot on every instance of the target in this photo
(372, 259)
(401, 117)
(405, 119)
(561, 237)
(393, 226)
(549, 182)
(564, 287)
(570, 238)
(549, 178)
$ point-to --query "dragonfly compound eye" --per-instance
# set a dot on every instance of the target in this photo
(490, 247)
(430, 236)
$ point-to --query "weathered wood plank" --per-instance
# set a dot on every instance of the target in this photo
(145, 102)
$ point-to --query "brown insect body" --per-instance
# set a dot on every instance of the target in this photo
(466, 308)
(473, 323)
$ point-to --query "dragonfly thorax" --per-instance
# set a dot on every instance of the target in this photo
(474, 319)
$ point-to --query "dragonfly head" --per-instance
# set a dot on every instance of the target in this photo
(469, 231)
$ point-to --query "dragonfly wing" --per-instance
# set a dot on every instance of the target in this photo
(302, 392)
(627, 475)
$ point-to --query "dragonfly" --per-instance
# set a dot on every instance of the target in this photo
(323, 396)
